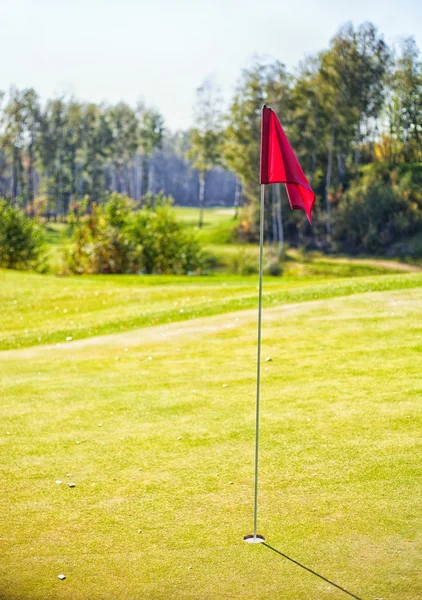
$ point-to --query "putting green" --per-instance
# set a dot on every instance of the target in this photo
(156, 429)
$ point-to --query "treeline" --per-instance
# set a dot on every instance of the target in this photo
(53, 156)
(353, 114)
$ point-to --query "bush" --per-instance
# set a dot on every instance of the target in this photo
(100, 241)
(243, 262)
(373, 216)
(21, 241)
(113, 239)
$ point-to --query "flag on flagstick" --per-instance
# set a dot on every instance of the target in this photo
(278, 165)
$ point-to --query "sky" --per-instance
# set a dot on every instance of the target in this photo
(162, 50)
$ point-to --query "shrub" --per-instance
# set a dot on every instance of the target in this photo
(113, 239)
(373, 216)
(162, 244)
(21, 242)
(100, 241)
(243, 262)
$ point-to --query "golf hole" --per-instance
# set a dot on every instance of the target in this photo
(253, 539)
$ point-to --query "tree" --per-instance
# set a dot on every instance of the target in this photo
(263, 83)
(123, 126)
(351, 89)
(151, 130)
(21, 123)
(21, 242)
(334, 83)
(13, 141)
(3, 162)
(31, 114)
(405, 102)
(205, 139)
(97, 140)
(370, 59)
(308, 116)
(61, 139)
(72, 149)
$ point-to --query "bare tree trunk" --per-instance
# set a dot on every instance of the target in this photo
(145, 175)
(113, 179)
(60, 193)
(73, 176)
(128, 181)
(237, 191)
(119, 186)
(341, 167)
(122, 179)
(15, 175)
(30, 178)
(201, 198)
(279, 219)
(150, 175)
(391, 140)
(134, 172)
(139, 176)
(328, 179)
(357, 148)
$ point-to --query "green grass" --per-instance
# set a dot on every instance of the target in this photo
(340, 442)
(41, 309)
(56, 237)
(54, 233)
(235, 258)
(219, 224)
(212, 216)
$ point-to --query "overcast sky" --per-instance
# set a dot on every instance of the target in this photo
(161, 50)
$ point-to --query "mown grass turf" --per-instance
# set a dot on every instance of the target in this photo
(40, 309)
(158, 436)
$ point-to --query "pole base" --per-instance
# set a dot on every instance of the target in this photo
(253, 539)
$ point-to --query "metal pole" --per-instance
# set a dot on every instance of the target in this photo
(258, 362)
(255, 538)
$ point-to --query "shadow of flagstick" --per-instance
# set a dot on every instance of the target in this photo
(311, 571)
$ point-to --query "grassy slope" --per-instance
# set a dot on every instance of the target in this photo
(174, 455)
(40, 309)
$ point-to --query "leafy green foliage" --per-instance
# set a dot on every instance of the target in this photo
(404, 110)
(206, 138)
(113, 239)
(260, 84)
(100, 244)
(378, 211)
(163, 245)
(21, 241)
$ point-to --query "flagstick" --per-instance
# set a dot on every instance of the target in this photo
(258, 361)
(255, 538)
(278, 164)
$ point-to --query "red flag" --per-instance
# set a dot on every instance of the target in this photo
(280, 165)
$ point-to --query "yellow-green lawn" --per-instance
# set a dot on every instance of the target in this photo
(154, 424)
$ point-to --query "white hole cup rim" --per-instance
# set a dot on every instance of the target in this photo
(254, 539)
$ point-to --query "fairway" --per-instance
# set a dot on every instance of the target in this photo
(154, 424)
